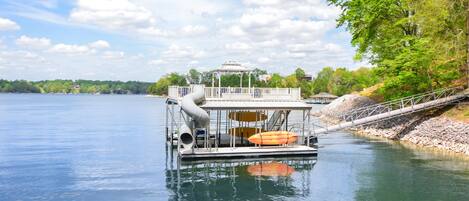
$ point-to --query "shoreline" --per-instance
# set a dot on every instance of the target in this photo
(91, 94)
(409, 145)
(430, 129)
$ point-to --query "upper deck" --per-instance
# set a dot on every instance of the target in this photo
(239, 93)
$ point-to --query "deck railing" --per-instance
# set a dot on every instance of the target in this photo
(239, 93)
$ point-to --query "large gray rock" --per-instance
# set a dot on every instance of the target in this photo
(441, 132)
(344, 104)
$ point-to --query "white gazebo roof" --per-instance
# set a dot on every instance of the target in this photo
(232, 67)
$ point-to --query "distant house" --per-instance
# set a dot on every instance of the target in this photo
(307, 77)
(76, 87)
(321, 98)
(265, 78)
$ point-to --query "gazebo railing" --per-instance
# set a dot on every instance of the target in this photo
(230, 93)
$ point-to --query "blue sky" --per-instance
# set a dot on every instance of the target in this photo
(145, 39)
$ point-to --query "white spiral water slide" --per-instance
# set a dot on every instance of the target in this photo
(199, 117)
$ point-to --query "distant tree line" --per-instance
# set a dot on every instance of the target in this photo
(338, 81)
(74, 87)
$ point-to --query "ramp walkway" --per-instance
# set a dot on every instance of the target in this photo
(395, 108)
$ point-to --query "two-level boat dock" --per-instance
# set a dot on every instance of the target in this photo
(226, 122)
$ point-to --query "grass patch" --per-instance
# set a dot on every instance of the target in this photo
(459, 112)
(372, 93)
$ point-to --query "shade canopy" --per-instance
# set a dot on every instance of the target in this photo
(232, 67)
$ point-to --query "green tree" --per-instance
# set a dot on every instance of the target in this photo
(275, 81)
(194, 76)
(321, 82)
(161, 86)
(290, 81)
(417, 45)
(299, 73)
(342, 82)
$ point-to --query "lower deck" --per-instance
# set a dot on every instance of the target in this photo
(247, 152)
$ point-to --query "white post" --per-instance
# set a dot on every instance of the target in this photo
(219, 85)
(249, 84)
(213, 80)
(241, 81)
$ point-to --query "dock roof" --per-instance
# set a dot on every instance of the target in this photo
(255, 104)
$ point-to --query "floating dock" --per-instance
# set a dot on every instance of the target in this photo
(222, 122)
(248, 152)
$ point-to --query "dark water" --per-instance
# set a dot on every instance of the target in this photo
(57, 147)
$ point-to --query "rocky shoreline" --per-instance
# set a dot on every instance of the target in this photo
(429, 129)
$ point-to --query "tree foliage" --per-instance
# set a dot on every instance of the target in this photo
(339, 81)
(161, 86)
(416, 45)
(342, 81)
(77, 86)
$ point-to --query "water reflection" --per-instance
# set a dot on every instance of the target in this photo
(270, 169)
(240, 179)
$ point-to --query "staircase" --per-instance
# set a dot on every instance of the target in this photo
(277, 120)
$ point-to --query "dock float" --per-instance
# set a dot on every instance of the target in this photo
(248, 152)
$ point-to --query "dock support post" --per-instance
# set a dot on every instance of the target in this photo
(309, 130)
(303, 125)
(166, 122)
(172, 126)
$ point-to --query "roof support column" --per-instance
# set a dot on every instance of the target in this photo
(241, 80)
(219, 85)
(213, 80)
(249, 84)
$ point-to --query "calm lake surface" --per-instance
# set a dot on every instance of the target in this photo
(85, 147)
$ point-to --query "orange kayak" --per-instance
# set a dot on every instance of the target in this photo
(274, 138)
(244, 131)
(273, 169)
(247, 116)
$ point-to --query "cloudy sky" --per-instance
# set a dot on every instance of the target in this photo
(145, 39)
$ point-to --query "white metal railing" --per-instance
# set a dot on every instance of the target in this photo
(397, 104)
(392, 109)
(230, 93)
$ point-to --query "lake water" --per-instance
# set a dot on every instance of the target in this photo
(85, 147)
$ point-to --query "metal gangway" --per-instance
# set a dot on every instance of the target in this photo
(395, 108)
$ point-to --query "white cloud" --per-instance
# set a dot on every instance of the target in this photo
(179, 56)
(269, 43)
(33, 43)
(117, 15)
(273, 34)
(8, 25)
(177, 53)
(112, 14)
(234, 30)
(100, 44)
(20, 57)
(263, 60)
(49, 3)
(152, 32)
(299, 8)
(70, 49)
(238, 46)
(191, 30)
(113, 55)
(157, 62)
